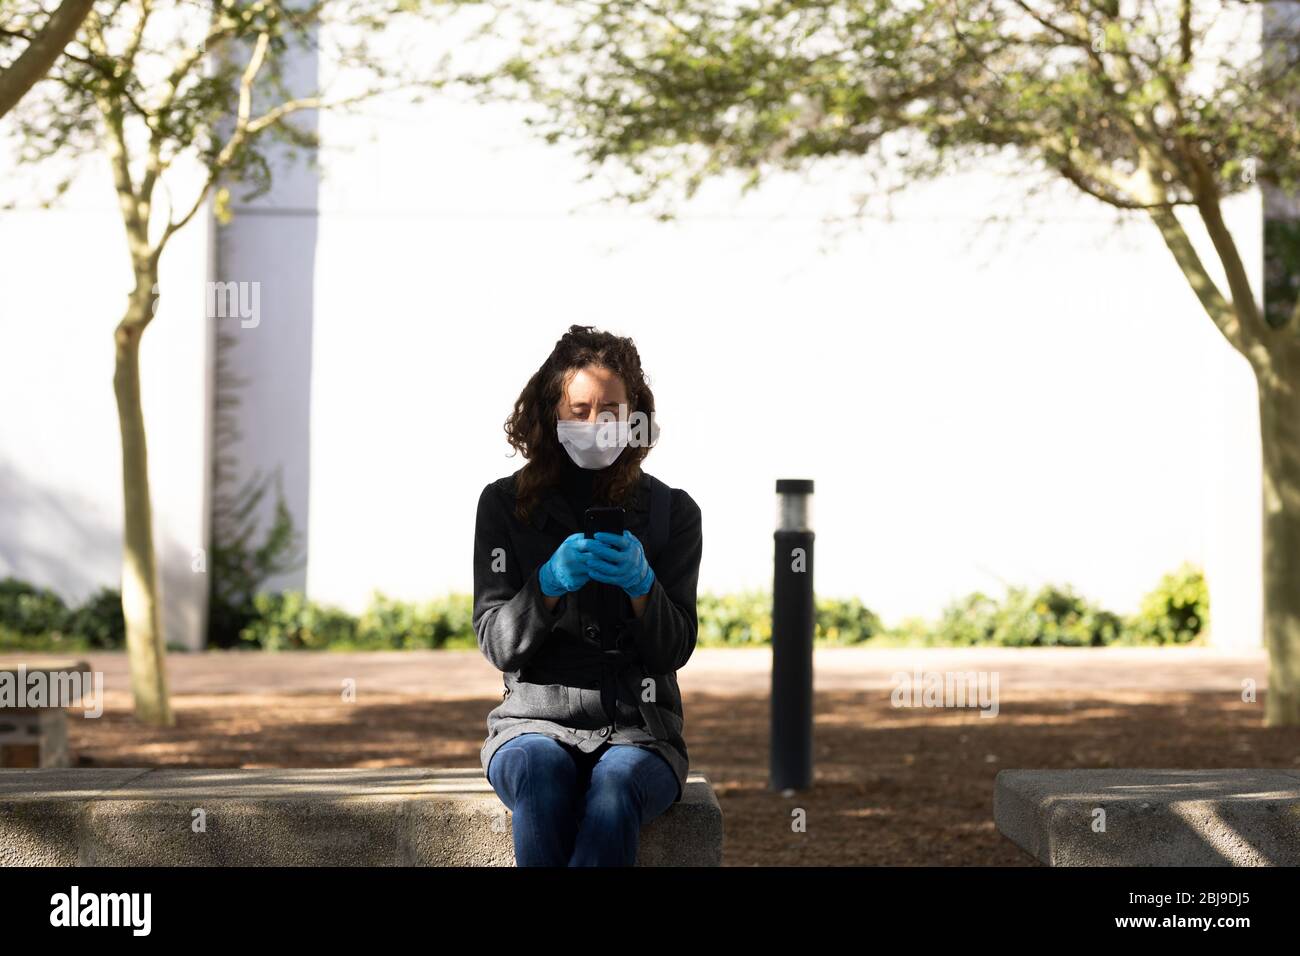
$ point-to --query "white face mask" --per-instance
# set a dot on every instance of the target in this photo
(593, 445)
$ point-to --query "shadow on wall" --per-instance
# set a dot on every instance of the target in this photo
(56, 538)
(59, 539)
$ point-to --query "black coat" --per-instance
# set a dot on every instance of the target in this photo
(552, 674)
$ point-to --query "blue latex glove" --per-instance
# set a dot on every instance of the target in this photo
(619, 559)
(566, 570)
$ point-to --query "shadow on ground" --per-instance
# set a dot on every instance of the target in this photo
(894, 786)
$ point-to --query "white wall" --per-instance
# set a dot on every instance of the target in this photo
(1021, 405)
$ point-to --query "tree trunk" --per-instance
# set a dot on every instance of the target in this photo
(1280, 435)
(146, 649)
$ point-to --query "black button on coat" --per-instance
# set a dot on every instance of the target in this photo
(551, 672)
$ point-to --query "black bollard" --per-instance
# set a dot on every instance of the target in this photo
(793, 621)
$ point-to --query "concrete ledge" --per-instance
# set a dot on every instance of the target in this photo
(36, 735)
(389, 817)
(1152, 817)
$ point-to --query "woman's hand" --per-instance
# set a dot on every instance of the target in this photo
(620, 560)
(566, 570)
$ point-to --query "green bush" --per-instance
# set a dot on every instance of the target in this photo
(742, 619)
(1052, 616)
(1176, 612)
(51, 642)
(288, 621)
(25, 609)
(387, 624)
(909, 632)
(98, 623)
(845, 621)
(401, 625)
(965, 622)
(455, 621)
(36, 619)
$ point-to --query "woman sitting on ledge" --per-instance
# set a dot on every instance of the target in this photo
(589, 632)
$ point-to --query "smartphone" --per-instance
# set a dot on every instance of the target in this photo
(603, 519)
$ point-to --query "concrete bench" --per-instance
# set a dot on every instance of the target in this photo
(37, 736)
(1152, 817)
(402, 816)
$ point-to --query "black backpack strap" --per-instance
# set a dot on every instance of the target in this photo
(661, 507)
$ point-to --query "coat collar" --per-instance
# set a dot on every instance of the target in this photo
(554, 505)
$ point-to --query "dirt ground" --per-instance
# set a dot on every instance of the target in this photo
(894, 786)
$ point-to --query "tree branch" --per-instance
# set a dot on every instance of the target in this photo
(41, 52)
(137, 227)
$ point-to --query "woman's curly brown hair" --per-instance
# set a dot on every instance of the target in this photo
(530, 429)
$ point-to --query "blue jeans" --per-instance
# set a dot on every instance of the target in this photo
(571, 808)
